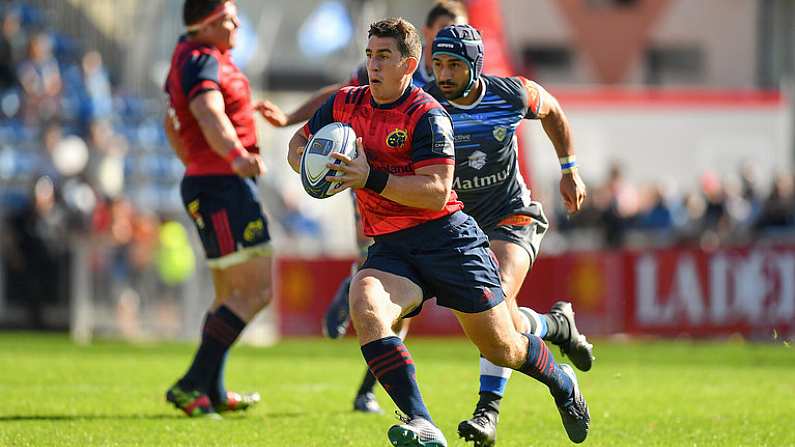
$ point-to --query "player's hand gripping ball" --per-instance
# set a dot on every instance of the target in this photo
(334, 137)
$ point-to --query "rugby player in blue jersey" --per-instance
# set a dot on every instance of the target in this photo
(486, 111)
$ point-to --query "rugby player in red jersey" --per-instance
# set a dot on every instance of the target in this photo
(336, 319)
(210, 125)
(424, 246)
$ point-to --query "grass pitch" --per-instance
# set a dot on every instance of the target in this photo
(53, 393)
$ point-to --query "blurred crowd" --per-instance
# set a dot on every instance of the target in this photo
(86, 165)
(79, 162)
(727, 209)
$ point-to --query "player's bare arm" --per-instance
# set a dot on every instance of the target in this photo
(295, 149)
(278, 118)
(208, 109)
(558, 130)
(173, 139)
(429, 188)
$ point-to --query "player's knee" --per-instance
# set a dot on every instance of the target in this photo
(259, 295)
(503, 354)
(361, 306)
(497, 357)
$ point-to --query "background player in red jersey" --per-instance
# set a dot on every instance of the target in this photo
(210, 125)
(424, 246)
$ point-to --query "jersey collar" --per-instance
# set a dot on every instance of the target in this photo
(477, 101)
(394, 104)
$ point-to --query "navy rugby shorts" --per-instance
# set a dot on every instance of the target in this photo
(448, 258)
(228, 216)
(525, 227)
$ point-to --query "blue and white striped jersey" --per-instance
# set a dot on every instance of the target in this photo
(487, 177)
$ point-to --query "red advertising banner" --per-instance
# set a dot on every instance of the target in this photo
(748, 291)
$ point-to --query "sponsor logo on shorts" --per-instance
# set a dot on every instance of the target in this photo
(254, 230)
(193, 210)
(396, 138)
(487, 296)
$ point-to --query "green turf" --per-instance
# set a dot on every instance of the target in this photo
(640, 394)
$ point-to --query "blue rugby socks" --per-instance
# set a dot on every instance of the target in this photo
(221, 329)
(538, 324)
(493, 378)
(541, 366)
(391, 363)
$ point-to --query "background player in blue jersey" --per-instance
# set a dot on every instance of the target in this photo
(424, 246)
(486, 110)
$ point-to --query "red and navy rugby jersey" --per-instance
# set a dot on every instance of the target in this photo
(413, 132)
(195, 69)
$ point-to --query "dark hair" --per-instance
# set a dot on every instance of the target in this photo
(193, 11)
(445, 8)
(408, 40)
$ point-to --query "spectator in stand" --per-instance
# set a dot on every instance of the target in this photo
(51, 138)
(105, 170)
(715, 200)
(8, 29)
(118, 241)
(35, 247)
(12, 39)
(739, 211)
(41, 83)
(656, 214)
(749, 184)
(622, 206)
(778, 212)
(98, 103)
(716, 224)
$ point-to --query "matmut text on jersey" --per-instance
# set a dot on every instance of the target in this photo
(487, 177)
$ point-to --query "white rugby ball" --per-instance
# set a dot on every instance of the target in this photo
(334, 137)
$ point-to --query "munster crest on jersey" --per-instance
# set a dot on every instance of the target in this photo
(477, 160)
(396, 138)
(500, 132)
